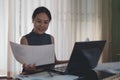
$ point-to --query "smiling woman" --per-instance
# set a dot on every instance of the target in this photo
(72, 20)
(40, 18)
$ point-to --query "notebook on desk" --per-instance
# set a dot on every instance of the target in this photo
(85, 56)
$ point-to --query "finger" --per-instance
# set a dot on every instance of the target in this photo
(24, 65)
(31, 67)
(33, 64)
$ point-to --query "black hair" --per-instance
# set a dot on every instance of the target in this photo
(41, 10)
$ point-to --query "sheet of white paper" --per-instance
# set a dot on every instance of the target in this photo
(56, 77)
(65, 77)
(110, 67)
(39, 55)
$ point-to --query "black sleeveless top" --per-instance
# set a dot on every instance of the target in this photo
(38, 39)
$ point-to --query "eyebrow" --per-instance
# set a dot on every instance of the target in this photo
(40, 19)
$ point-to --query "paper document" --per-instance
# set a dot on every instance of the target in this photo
(110, 67)
(38, 55)
(58, 77)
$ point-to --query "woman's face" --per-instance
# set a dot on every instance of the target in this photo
(41, 23)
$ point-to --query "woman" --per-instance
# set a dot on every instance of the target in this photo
(41, 18)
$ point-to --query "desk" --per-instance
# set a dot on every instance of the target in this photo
(6, 78)
(105, 70)
(111, 67)
(46, 76)
(114, 77)
(101, 75)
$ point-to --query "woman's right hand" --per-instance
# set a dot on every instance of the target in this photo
(29, 68)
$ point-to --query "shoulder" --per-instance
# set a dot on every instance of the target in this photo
(25, 38)
(23, 41)
(52, 38)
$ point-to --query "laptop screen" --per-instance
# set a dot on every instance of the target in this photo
(85, 56)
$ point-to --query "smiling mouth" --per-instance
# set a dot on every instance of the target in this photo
(41, 30)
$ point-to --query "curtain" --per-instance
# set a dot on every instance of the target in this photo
(3, 36)
(13, 67)
(72, 20)
(106, 30)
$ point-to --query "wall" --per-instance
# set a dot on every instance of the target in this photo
(115, 29)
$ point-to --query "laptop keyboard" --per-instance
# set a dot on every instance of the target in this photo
(61, 68)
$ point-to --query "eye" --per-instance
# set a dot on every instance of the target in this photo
(46, 22)
(38, 21)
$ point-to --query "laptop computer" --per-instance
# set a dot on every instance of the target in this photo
(84, 57)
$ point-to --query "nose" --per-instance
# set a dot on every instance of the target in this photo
(42, 24)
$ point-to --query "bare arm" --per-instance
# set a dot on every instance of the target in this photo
(52, 39)
(23, 41)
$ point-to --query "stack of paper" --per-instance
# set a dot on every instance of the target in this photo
(59, 77)
(111, 67)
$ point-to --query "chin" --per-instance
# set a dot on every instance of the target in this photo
(41, 32)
